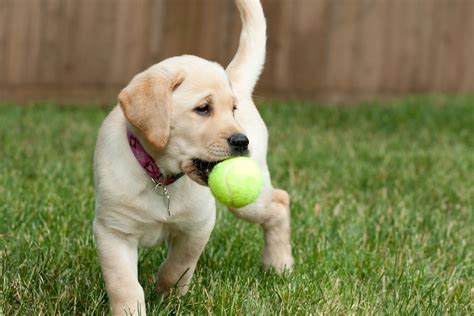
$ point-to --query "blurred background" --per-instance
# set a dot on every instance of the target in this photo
(325, 50)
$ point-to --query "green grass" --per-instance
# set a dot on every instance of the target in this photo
(392, 231)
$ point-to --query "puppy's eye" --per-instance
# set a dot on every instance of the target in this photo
(234, 108)
(203, 110)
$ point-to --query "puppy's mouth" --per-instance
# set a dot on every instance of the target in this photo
(199, 170)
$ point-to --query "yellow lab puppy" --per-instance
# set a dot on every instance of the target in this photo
(173, 123)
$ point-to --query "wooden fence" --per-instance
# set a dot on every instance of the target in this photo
(87, 50)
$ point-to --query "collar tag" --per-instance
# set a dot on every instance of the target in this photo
(162, 190)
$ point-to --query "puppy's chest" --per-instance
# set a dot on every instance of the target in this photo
(156, 220)
(152, 220)
(162, 206)
(174, 205)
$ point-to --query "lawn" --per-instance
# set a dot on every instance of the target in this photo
(382, 215)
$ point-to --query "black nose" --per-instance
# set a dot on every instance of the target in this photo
(238, 142)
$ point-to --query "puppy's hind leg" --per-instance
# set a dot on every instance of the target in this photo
(272, 212)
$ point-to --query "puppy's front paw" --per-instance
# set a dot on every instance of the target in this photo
(280, 261)
(166, 289)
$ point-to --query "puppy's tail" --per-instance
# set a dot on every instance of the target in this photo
(247, 64)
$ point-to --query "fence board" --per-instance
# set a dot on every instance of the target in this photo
(341, 47)
(467, 81)
(319, 49)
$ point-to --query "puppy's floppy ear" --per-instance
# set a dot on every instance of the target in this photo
(146, 103)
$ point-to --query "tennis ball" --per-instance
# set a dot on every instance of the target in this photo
(236, 182)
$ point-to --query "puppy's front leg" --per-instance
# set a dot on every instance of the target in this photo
(183, 254)
(118, 259)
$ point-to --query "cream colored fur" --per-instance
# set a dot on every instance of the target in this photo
(158, 106)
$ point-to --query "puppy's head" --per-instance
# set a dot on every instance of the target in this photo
(183, 108)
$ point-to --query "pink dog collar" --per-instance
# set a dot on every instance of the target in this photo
(148, 163)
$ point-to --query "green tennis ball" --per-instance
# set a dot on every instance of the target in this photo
(236, 182)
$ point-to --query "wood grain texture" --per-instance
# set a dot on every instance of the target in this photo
(327, 50)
